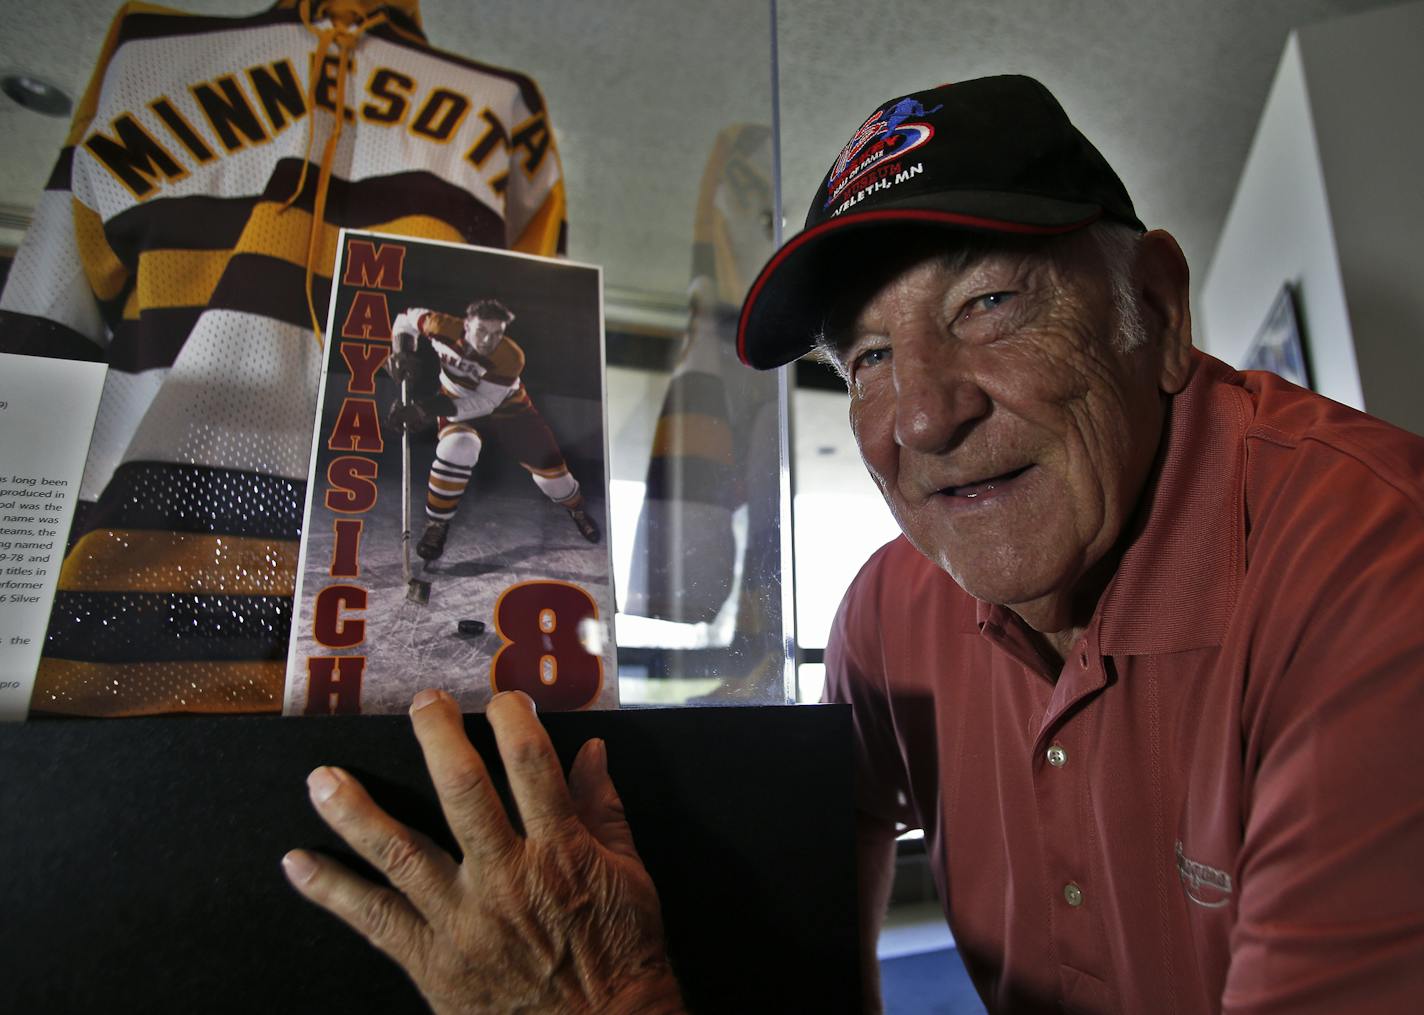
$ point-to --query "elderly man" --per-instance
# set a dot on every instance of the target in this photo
(1144, 666)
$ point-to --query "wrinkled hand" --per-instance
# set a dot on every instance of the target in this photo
(564, 918)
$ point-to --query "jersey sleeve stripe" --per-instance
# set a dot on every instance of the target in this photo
(179, 278)
(208, 222)
(669, 478)
(694, 435)
(180, 223)
(72, 687)
(544, 234)
(135, 560)
(200, 499)
(167, 626)
(106, 272)
(268, 287)
(356, 203)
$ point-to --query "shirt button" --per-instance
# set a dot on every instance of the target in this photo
(1073, 894)
(1057, 756)
(1083, 660)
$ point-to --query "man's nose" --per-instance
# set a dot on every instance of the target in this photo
(935, 399)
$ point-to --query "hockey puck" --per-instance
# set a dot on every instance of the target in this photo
(471, 626)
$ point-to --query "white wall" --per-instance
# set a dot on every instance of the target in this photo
(1366, 84)
(1332, 200)
(1278, 230)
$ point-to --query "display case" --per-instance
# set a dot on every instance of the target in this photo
(664, 170)
(140, 856)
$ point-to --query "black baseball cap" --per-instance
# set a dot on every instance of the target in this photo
(992, 155)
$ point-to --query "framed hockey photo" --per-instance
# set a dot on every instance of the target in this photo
(1278, 346)
(456, 511)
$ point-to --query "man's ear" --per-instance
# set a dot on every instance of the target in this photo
(1163, 281)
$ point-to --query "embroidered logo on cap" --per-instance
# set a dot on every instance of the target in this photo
(881, 141)
(1204, 885)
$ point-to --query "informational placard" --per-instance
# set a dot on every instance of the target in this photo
(47, 409)
(456, 508)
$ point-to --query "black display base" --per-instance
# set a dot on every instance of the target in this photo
(139, 859)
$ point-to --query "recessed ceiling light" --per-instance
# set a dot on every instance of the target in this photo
(36, 94)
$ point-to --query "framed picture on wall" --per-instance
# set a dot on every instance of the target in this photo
(1278, 345)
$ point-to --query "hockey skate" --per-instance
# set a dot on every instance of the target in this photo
(587, 527)
(432, 540)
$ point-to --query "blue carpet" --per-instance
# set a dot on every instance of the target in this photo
(930, 983)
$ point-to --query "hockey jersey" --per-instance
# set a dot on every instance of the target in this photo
(476, 383)
(714, 417)
(186, 233)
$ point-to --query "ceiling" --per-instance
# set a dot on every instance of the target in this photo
(1170, 90)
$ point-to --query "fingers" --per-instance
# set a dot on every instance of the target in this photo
(596, 801)
(381, 916)
(411, 862)
(535, 776)
(471, 805)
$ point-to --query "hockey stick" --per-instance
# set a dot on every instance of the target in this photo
(416, 590)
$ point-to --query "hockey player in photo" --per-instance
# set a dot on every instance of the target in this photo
(480, 395)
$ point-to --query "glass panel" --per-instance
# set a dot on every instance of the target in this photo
(837, 505)
(667, 152)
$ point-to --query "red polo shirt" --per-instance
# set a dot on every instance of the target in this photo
(1218, 804)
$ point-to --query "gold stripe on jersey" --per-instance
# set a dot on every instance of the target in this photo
(174, 278)
(541, 235)
(693, 434)
(69, 687)
(106, 273)
(177, 278)
(138, 560)
(282, 233)
(170, 278)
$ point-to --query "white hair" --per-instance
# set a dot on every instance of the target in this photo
(1118, 244)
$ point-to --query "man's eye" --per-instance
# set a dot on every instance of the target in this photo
(869, 358)
(986, 303)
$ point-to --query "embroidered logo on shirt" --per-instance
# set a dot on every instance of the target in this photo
(1204, 885)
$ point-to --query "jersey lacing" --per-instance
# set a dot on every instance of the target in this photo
(347, 21)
